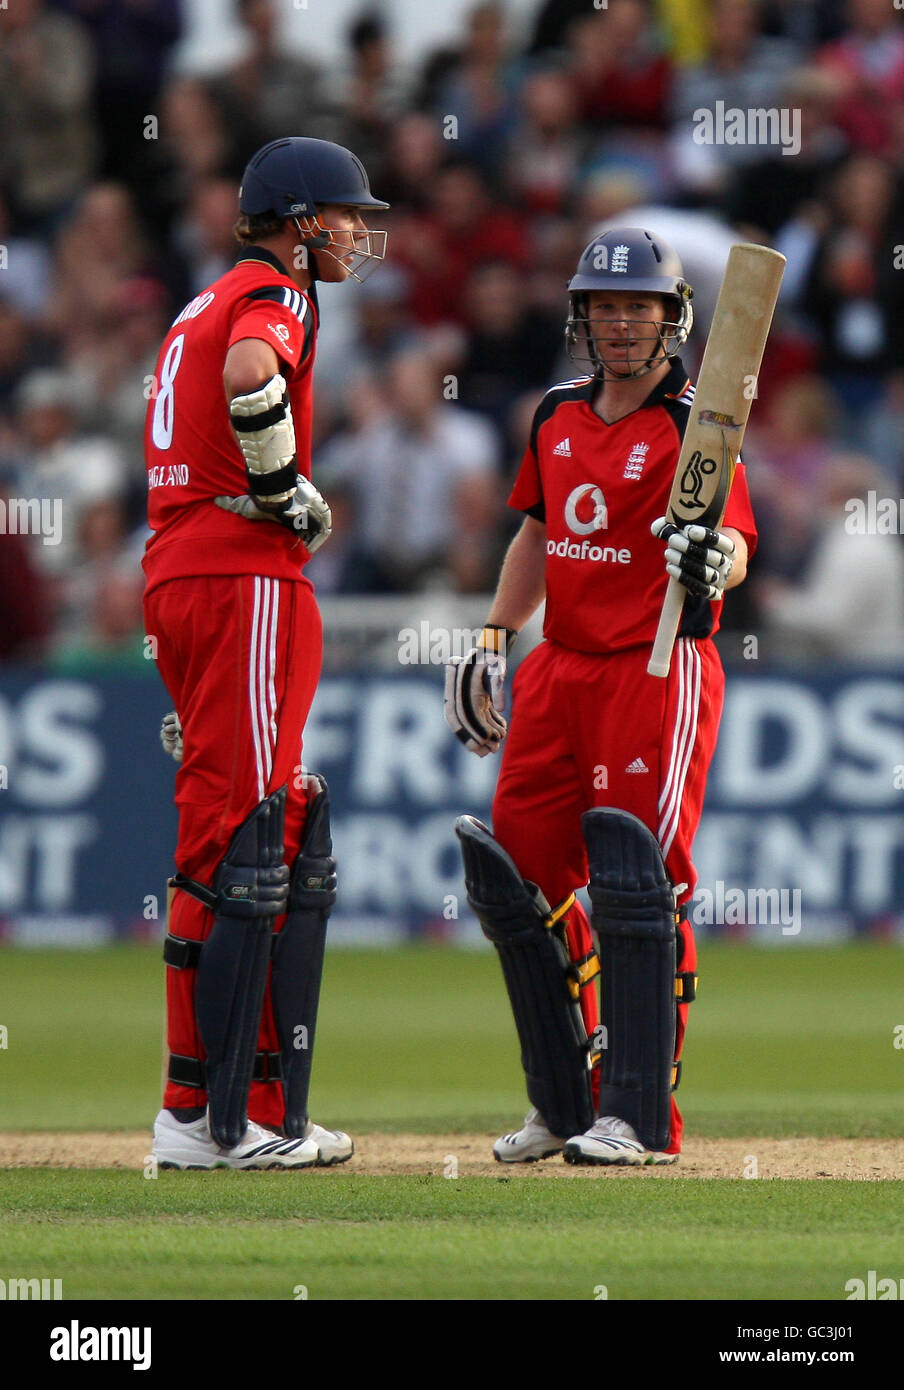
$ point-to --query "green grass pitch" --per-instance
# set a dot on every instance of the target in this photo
(781, 1043)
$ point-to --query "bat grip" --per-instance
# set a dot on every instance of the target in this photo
(669, 621)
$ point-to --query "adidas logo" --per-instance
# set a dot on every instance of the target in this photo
(638, 765)
(563, 448)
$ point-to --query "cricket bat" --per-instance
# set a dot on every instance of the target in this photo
(726, 387)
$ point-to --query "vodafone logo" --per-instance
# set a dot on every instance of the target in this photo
(586, 512)
(584, 496)
(280, 330)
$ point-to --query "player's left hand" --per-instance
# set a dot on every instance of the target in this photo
(306, 513)
(697, 557)
(475, 698)
(171, 735)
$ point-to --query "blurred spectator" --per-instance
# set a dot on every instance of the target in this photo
(617, 67)
(475, 87)
(115, 638)
(425, 479)
(132, 41)
(510, 346)
(369, 97)
(25, 278)
(204, 236)
(270, 92)
(853, 293)
(415, 156)
(762, 197)
(115, 381)
(790, 456)
(546, 146)
(850, 602)
(99, 248)
(868, 62)
(25, 618)
(461, 227)
(58, 462)
(554, 18)
(807, 21)
(48, 140)
(194, 145)
(100, 618)
(343, 566)
(744, 71)
(20, 351)
(884, 431)
(360, 334)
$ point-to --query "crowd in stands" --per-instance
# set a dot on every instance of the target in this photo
(501, 154)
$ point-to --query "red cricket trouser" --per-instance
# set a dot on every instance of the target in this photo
(240, 656)
(596, 730)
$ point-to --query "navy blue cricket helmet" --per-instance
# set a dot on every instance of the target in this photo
(628, 258)
(295, 176)
(292, 177)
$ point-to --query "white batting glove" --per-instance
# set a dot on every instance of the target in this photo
(475, 693)
(306, 513)
(697, 557)
(171, 736)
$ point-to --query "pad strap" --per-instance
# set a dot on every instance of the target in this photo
(181, 953)
(191, 1071)
(685, 986)
(201, 891)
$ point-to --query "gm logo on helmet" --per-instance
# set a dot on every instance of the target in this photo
(585, 494)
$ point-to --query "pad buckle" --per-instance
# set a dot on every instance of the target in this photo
(581, 972)
(686, 986)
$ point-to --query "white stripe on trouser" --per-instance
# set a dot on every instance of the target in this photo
(689, 669)
(252, 668)
(262, 678)
(271, 686)
(262, 649)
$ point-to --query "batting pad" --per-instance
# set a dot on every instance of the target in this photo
(634, 917)
(251, 887)
(516, 917)
(298, 959)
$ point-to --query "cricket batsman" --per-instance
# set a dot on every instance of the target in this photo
(603, 766)
(237, 633)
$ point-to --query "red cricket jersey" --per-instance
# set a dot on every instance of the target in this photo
(598, 488)
(191, 452)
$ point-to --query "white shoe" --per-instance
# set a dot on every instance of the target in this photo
(192, 1146)
(611, 1140)
(528, 1144)
(333, 1146)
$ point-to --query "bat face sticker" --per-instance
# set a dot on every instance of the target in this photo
(699, 501)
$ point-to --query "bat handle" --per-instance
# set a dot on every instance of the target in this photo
(669, 621)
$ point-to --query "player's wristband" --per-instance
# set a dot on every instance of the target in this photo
(279, 484)
(497, 639)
